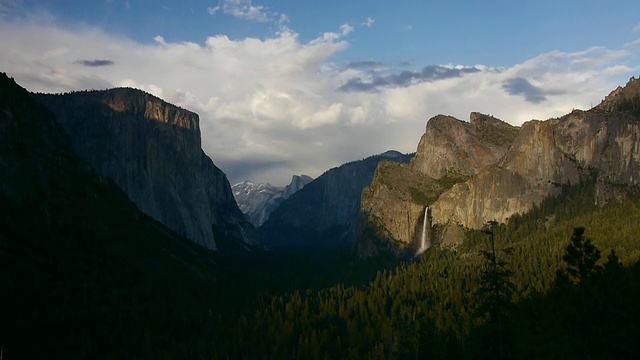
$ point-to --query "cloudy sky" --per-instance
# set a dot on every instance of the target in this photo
(300, 86)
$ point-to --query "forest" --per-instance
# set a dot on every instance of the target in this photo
(561, 281)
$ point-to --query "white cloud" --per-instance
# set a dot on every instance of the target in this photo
(241, 9)
(617, 69)
(271, 107)
(636, 29)
(327, 116)
(369, 22)
(346, 29)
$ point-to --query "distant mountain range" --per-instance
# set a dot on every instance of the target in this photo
(324, 213)
(258, 200)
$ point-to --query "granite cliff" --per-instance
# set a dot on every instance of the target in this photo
(601, 145)
(76, 252)
(324, 213)
(471, 173)
(454, 147)
(152, 150)
(393, 206)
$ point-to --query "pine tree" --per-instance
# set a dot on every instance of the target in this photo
(581, 257)
(496, 288)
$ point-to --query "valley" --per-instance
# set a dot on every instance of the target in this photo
(120, 238)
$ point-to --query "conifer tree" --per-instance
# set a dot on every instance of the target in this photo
(581, 257)
(496, 288)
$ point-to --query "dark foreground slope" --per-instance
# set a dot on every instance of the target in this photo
(83, 272)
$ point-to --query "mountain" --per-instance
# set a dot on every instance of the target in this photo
(466, 174)
(297, 183)
(152, 151)
(392, 215)
(324, 213)
(79, 263)
(452, 147)
(601, 145)
(258, 200)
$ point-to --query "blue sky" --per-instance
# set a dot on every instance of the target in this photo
(290, 87)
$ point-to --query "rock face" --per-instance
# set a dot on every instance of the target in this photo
(258, 200)
(324, 213)
(451, 146)
(598, 144)
(297, 183)
(152, 150)
(471, 173)
(71, 236)
(451, 150)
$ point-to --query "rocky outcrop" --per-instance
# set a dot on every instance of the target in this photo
(152, 150)
(392, 208)
(450, 151)
(297, 182)
(451, 146)
(599, 145)
(623, 99)
(258, 200)
(501, 170)
(324, 213)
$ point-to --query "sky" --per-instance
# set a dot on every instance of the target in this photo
(301, 86)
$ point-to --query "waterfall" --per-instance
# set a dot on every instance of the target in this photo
(425, 228)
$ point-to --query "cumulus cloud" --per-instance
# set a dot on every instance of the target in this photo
(276, 106)
(636, 29)
(94, 63)
(241, 9)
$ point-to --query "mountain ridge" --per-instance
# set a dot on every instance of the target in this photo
(535, 162)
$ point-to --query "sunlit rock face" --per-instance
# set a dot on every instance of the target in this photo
(602, 144)
(493, 170)
(152, 150)
(449, 152)
(452, 146)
